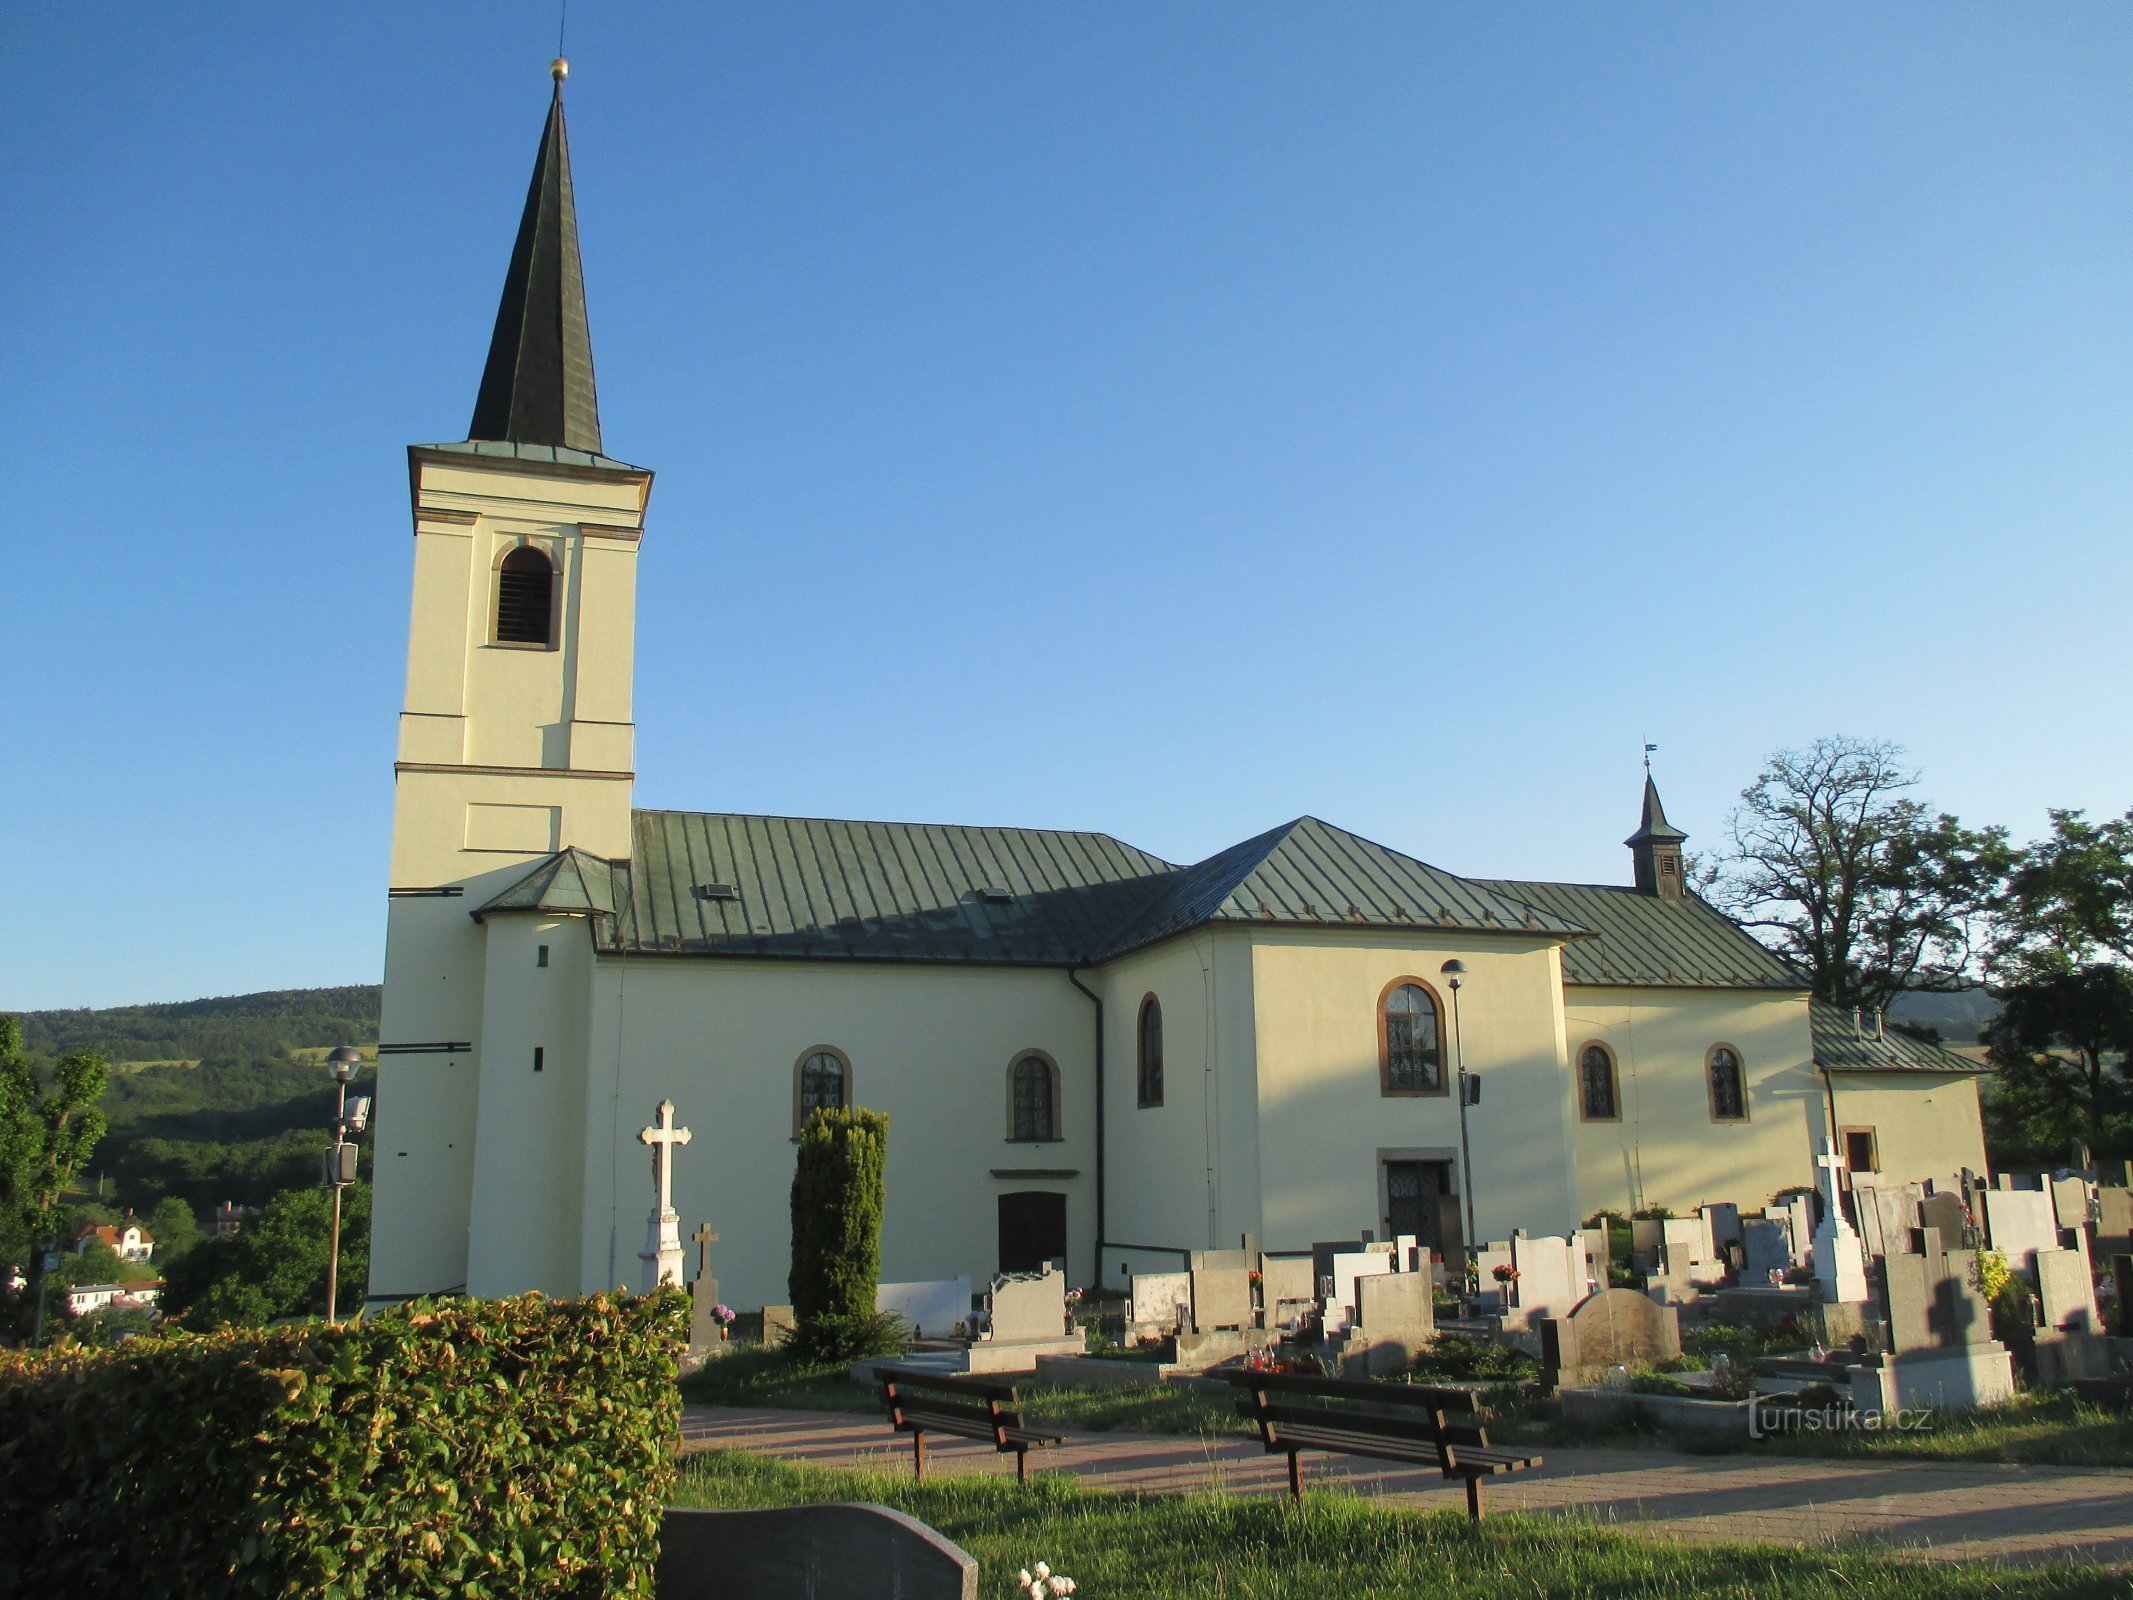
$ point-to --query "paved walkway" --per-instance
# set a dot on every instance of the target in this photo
(1952, 1510)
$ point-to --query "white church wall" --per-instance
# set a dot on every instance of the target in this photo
(1926, 1124)
(529, 1140)
(1324, 1119)
(1666, 1146)
(930, 1046)
(1163, 1159)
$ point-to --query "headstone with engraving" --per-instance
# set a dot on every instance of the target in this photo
(1028, 1306)
(2114, 1223)
(1221, 1298)
(1160, 1302)
(704, 1327)
(1888, 1215)
(1941, 1350)
(1767, 1244)
(2072, 1202)
(1285, 1281)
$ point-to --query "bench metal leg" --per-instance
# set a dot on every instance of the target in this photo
(1296, 1480)
(1021, 1466)
(1473, 1499)
(918, 1457)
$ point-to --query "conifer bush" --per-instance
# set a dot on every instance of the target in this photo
(463, 1448)
(838, 1190)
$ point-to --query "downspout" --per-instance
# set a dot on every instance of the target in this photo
(1097, 1000)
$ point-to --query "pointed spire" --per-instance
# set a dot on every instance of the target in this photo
(1654, 825)
(1656, 848)
(538, 385)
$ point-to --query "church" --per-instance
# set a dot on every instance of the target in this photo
(1087, 1054)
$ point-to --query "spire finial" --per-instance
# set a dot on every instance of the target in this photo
(559, 69)
(1649, 751)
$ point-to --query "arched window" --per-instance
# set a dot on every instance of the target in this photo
(1597, 1099)
(1729, 1095)
(1033, 1105)
(525, 589)
(1410, 1039)
(822, 1081)
(1149, 1076)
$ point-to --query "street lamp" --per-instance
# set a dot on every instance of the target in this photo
(341, 1157)
(1454, 971)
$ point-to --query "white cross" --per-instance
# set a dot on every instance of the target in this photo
(662, 1136)
(1830, 1159)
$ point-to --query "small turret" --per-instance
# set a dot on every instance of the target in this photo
(1656, 848)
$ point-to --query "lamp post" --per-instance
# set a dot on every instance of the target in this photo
(1454, 972)
(341, 1159)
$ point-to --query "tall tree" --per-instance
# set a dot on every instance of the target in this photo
(48, 1127)
(2063, 939)
(275, 1265)
(1835, 865)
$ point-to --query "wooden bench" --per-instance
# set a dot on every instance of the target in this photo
(970, 1408)
(1428, 1427)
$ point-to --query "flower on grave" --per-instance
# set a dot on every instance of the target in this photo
(1073, 1297)
(1504, 1272)
(1040, 1582)
(722, 1314)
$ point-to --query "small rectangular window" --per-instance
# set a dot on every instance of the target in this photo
(540, 958)
(539, 1056)
(1860, 1154)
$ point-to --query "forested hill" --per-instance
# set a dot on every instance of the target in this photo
(240, 1027)
(234, 1104)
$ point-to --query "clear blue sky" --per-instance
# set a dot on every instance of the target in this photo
(1160, 419)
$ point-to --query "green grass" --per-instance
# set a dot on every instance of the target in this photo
(755, 1377)
(1122, 1546)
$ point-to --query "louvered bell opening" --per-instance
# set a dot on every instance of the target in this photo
(523, 591)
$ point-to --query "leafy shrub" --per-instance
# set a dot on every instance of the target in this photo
(1452, 1357)
(838, 1189)
(517, 1447)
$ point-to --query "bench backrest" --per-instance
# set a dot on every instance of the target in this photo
(1447, 1416)
(972, 1400)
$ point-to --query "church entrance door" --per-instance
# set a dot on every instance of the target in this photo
(1033, 1230)
(1414, 1196)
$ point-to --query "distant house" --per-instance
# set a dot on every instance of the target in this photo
(128, 1239)
(87, 1297)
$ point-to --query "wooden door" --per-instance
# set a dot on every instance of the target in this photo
(1033, 1230)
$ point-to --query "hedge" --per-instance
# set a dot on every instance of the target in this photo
(465, 1448)
(838, 1190)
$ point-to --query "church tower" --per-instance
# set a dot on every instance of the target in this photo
(1656, 848)
(516, 736)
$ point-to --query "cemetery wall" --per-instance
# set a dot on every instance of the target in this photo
(930, 1046)
(1326, 1120)
(1926, 1125)
(533, 1120)
(1660, 1039)
(1159, 1156)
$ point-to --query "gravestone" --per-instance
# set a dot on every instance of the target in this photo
(1840, 1264)
(661, 1254)
(1941, 1350)
(2114, 1223)
(1489, 1288)
(704, 1326)
(1888, 1215)
(1647, 1236)
(824, 1552)
(1609, 1329)
(934, 1310)
(2068, 1291)
(778, 1326)
(2019, 1223)
(1213, 1260)
(1347, 1267)
(1687, 1254)
(1551, 1276)
(1942, 1212)
(2122, 1281)
(1799, 1213)
(1599, 1252)
(2071, 1202)
(1160, 1302)
(1395, 1320)
(1767, 1245)
(1028, 1306)
(1285, 1280)
(1723, 1222)
(1221, 1298)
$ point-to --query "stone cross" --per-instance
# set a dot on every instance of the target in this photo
(1832, 1163)
(661, 1254)
(703, 1238)
(662, 1136)
(1840, 1265)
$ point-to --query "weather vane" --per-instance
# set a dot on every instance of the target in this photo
(1648, 749)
